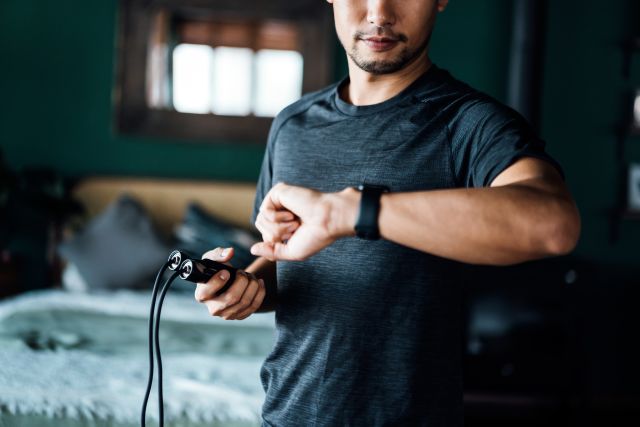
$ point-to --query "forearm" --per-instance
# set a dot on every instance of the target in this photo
(495, 225)
(499, 225)
(264, 269)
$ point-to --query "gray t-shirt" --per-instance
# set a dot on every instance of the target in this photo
(369, 333)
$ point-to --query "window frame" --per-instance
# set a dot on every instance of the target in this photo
(133, 115)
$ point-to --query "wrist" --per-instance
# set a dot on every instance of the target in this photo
(367, 224)
(344, 212)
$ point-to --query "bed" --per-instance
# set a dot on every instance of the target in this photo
(80, 358)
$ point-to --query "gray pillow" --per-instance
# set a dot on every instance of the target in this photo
(118, 249)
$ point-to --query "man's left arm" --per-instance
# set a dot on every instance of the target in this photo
(526, 213)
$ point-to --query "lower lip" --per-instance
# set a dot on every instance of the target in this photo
(380, 46)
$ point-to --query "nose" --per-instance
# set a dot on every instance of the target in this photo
(380, 13)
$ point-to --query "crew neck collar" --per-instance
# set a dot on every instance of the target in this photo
(358, 110)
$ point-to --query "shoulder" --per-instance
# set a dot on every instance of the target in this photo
(460, 103)
(301, 106)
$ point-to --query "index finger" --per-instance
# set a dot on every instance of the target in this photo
(272, 201)
(278, 216)
(268, 208)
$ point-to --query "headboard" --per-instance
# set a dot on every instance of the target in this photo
(166, 199)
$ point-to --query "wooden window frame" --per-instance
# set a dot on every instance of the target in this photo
(134, 116)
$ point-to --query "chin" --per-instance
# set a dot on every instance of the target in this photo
(380, 67)
(380, 62)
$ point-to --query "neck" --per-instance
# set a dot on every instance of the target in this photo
(365, 88)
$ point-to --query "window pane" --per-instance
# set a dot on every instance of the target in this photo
(192, 68)
(231, 93)
(278, 80)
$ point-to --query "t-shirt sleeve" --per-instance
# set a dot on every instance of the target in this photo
(265, 180)
(487, 137)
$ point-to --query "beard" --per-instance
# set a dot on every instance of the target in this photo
(404, 57)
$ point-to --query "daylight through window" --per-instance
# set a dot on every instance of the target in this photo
(235, 81)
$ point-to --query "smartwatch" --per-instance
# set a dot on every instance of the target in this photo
(367, 223)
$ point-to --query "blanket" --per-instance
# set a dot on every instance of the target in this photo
(84, 357)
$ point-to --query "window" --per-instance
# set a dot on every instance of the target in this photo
(217, 70)
(234, 81)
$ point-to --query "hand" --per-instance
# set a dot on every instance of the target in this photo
(275, 225)
(320, 219)
(243, 297)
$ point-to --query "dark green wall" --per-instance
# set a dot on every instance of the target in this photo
(583, 105)
(57, 73)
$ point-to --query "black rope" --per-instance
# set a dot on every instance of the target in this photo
(165, 288)
(154, 295)
(153, 333)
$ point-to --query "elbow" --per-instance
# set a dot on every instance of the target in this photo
(563, 233)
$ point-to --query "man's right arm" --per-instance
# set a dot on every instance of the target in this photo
(264, 269)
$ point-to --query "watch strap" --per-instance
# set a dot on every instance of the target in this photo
(367, 223)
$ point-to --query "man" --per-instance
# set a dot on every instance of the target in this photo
(369, 329)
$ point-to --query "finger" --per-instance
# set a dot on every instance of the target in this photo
(245, 301)
(214, 307)
(255, 304)
(268, 207)
(282, 251)
(293, 247)
(266, 216)
(279, 216)
(230, 297)
(273, 232)
(272, 252)
(263, 249)
(219, 254)
(233, 295)
(205, 291)
(263, 227)
(282, 196)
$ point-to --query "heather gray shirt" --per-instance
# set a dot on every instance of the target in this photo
(369, 332)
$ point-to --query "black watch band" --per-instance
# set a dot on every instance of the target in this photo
(367, 223)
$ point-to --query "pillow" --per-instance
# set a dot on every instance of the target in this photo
(118, 249)
(200, 232)
(72, 280)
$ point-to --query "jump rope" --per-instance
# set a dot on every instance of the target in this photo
(192, 270)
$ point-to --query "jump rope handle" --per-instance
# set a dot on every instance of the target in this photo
(199, 270)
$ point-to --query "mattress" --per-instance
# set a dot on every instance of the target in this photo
(71, 359)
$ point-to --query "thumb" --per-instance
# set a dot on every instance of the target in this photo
(219, 254)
